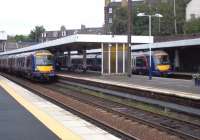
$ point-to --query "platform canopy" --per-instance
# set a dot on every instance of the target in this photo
(168, 44)
(78, 41)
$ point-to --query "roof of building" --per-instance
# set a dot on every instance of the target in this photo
(84, 40)
(175, 37)
(169, 44)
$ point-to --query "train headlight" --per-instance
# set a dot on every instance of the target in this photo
(157, 67)
(36, 69)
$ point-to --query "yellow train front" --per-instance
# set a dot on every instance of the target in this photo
(160, 64)
(43, 66)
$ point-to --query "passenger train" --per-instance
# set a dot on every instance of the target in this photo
(37, 65)
(93, 62)
(160, 63)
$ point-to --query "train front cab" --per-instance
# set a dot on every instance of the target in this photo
(160, 64)
(43, 66)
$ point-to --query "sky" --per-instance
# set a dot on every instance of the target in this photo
(21, 16)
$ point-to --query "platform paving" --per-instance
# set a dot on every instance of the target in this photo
(175, 86)
(16, 123)
(65, 124)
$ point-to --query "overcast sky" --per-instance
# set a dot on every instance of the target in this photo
(20, 16)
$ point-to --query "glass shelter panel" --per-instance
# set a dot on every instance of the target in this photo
(113, 59)
(105, 58)
(126, 58)
(120, 58)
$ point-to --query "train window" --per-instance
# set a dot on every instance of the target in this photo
(90, 61)
(44, 60)
(77, 61)
(98, 62)
(140, 62)
(28, 62)
(161, 59)
(23, 62)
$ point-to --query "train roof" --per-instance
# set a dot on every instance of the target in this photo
(88, 56)
(28, 53)
(160, 52)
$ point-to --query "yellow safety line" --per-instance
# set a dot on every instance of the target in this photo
(57, 128)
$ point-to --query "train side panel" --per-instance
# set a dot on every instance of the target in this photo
(25, 65)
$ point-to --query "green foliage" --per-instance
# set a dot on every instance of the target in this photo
(192, 26)
(11, 39)
(119, 25)
(35, 34)
(21, 38)
(141, 24)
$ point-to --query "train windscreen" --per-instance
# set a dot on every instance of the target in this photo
(44, 60)
(162, 59)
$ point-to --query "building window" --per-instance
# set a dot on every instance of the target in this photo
(193, 16)
(110, 20)
(110, 11)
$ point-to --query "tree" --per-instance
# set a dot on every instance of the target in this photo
(140, 24)
(193, 26)
(36, 33)
(21, 38)
(120, 21)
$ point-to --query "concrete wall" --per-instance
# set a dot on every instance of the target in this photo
(193, 7)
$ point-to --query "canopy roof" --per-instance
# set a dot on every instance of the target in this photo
(80, 41)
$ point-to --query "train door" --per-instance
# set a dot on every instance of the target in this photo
(28, 66)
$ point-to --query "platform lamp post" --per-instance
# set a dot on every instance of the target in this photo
(129, 71)
(150, 17)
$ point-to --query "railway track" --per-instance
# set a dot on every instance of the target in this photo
(168, 101)
(125, 121)
(181, 128)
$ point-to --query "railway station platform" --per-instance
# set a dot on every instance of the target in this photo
(168, 86)
(18, 124)
(27, 116)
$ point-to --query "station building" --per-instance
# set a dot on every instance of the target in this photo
(192, 10)
(111, 6)
(63, 32)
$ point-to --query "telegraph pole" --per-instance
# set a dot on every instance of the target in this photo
(129, 71)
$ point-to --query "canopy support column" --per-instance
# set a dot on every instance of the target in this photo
(69, 59)
(176, 60)
(117, 58)
(84, 59)
(102, 58)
